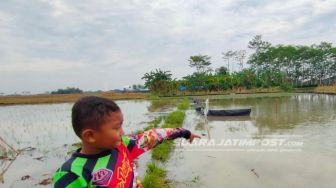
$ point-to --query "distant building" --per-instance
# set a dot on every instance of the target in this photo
(182, 88)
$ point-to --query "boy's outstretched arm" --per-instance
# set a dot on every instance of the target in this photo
(138, 144)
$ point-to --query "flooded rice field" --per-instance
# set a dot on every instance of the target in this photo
(287, 141)
(45, 136)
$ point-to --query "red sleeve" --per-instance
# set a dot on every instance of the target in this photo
(138, 144)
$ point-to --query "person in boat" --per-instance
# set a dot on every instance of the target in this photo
(106, 158)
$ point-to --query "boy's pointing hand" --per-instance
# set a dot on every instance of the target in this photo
(192, 136)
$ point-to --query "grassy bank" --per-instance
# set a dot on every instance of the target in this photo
(244, 96)
(325, 89)
(162, 151)
(155, 175)
(158, 104)
(62, 98)
(272, 91)
(153, 124)
(227, 92)
(235, 93)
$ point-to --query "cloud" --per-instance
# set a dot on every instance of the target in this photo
(39, 65)
(116, 42)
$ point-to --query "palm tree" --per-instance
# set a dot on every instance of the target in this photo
(157, 81)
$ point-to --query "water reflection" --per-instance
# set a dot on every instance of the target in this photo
(229, 118)
(308, 118)
(278, 113)
(48, 128)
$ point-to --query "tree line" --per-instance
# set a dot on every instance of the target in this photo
(68, 90)
(267, 66)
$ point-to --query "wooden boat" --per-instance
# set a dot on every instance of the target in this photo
(231, 112)
(229, 118)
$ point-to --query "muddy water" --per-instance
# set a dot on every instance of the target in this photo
(48, 129)
(305, 123)
(301, 118)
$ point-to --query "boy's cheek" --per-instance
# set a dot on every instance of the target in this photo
(115, 138)
(118, 144)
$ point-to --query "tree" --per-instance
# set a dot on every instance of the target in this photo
(258, 44)
(259, 56)
(279, 65)
(222, 71)
(201, 63)
(227, 56)
(68, 90)
(240, 56)
(158, 81)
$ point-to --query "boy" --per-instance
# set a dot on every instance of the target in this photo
(107, 155)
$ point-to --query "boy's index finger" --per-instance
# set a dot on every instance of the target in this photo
(195, 135)
(192, 136)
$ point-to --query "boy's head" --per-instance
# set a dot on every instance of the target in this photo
(97, 121)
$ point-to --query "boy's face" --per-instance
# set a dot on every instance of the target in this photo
(108, 136)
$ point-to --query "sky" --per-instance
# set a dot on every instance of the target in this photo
(109, 44)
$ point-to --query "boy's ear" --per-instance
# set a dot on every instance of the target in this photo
(88, 135)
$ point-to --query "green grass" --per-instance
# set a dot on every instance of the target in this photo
(157, 105)
(155, 177)
(153, 124)
(245, 96)
(152, 96)
(174, 119)
(286, 87)
(163, 150)
(184, 105)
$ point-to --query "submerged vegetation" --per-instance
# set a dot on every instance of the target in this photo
(158, 104)
(156, 176)
(173, 120)
(184, 105)
(162, 151)
(154, 123)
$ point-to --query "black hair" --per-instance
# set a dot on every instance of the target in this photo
(90, 112)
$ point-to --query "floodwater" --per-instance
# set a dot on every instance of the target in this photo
(47, 127)
(304, 123)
